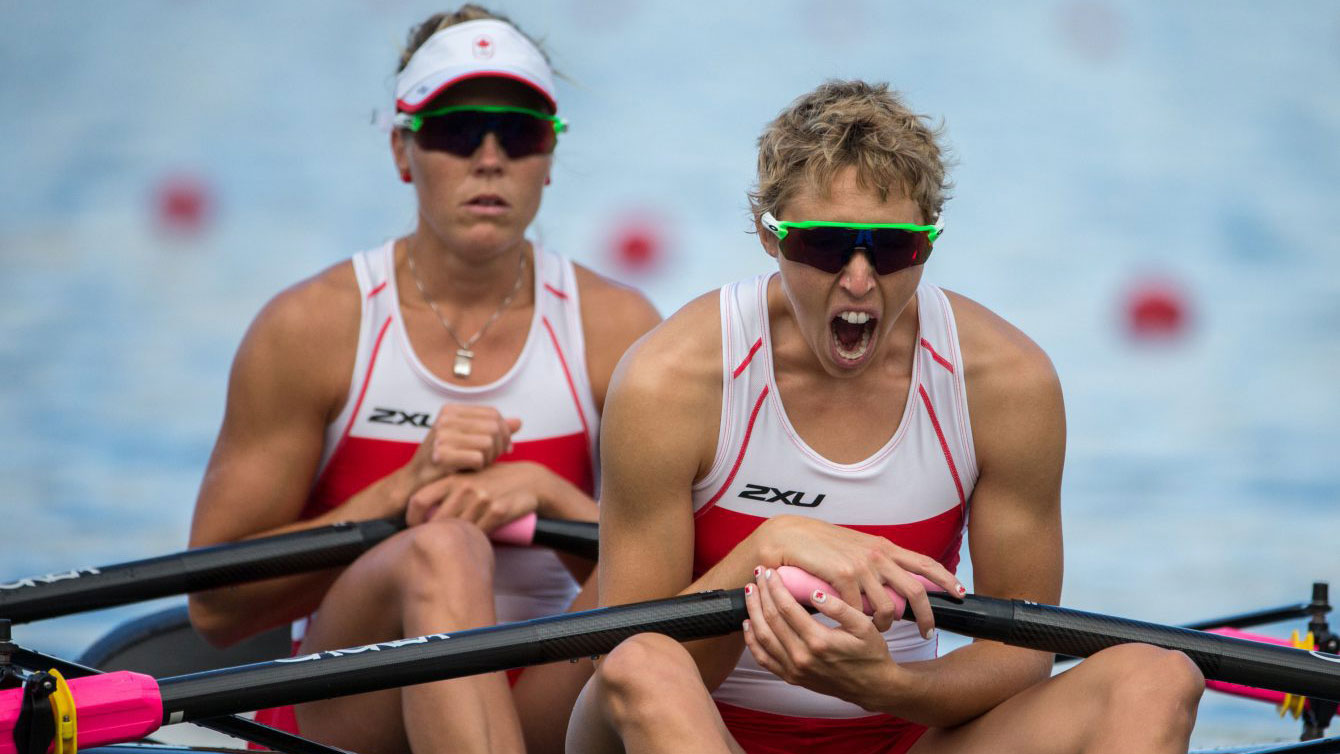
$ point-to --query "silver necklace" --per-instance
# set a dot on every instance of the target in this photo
(461, 368)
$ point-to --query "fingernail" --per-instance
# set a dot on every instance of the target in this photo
(961, 590)
(927, 633)
(748, 589)
(767, 574)
(758, 570)
(746, 624)
(818, 596)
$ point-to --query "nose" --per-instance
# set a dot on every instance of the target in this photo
(490, 156)
(858, 276)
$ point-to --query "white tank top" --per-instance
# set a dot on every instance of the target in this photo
(393, 398)
(914, 491)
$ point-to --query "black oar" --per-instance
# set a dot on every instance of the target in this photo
(196, 570)
(398, 663)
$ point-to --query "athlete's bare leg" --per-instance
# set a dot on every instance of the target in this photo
(544, 694)
(647, 698)
(432, 578)
(1132, 697)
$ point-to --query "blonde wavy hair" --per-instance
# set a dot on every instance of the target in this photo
(846, 123)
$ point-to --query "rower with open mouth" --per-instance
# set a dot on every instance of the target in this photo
(843, 415)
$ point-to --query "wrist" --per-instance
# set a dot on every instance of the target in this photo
(891, 687)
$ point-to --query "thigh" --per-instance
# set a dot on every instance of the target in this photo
(361, 607)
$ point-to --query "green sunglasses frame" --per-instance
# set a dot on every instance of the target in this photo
(414, 121)
(781, 229)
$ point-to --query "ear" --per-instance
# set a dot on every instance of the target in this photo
(766, 238)
(400, 151)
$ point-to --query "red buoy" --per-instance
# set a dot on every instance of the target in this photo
(638, 243)
(1156, 309)
(183, 204)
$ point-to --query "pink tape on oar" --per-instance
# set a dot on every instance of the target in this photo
(802, 585)
(110, 708)
(1250, 692)
(520, 532)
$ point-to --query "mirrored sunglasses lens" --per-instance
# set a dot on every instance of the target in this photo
(896, 250)
(823, 248)
(523, 135)
(455, 133)
(461, 133)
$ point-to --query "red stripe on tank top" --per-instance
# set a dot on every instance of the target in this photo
(556, 291)
(367, 378)
(377, 290)
(752, 350)
(739, 457)
(944, 445)
(572, 386)
(926, 344)
(717, 533)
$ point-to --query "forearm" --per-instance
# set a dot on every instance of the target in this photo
(229, 614)
(561, 499)
(957, 687)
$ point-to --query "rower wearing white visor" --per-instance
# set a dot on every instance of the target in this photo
(455, 375)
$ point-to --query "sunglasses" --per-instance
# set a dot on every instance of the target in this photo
(460, 130)
(828, 246)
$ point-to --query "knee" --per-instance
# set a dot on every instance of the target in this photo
(447, 555)
(641, 674)
(1153, 682)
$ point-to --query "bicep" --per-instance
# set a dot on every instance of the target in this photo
(270, 441)
(649, 457)
(1015, 526)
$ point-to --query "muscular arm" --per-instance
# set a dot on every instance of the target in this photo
(1018, 423)
(288, 381)
(658, 435)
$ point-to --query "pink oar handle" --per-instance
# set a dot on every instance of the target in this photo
(111, 708)
(520, 532)
(802, 585)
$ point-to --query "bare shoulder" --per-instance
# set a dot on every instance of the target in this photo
(1014, 396)
(307, 335)
(999, 359)
(672, 376)
(611, 311)
(613, 316)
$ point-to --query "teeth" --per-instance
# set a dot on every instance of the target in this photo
(860, 348)
(854, 318)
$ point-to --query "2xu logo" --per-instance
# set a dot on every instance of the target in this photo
(765, 494)
(397, 417)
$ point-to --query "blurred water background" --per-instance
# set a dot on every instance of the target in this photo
(1124, 167)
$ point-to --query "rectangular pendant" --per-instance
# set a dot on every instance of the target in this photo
(462, 366)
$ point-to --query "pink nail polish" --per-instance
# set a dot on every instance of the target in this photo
(961, 590)
(758, 570)
(819, 596)
(748, 589)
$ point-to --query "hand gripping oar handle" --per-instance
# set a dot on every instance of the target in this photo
(1080, 634)
(204, 568)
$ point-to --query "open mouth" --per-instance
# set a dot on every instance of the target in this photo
(852, 333)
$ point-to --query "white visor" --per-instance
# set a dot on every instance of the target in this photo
(470, 50)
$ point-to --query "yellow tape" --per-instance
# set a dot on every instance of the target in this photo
(62, 707)
(1294, 704)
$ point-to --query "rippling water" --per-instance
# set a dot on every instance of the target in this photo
(1100, 144)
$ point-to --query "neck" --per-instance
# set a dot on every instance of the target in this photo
(465, 280)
